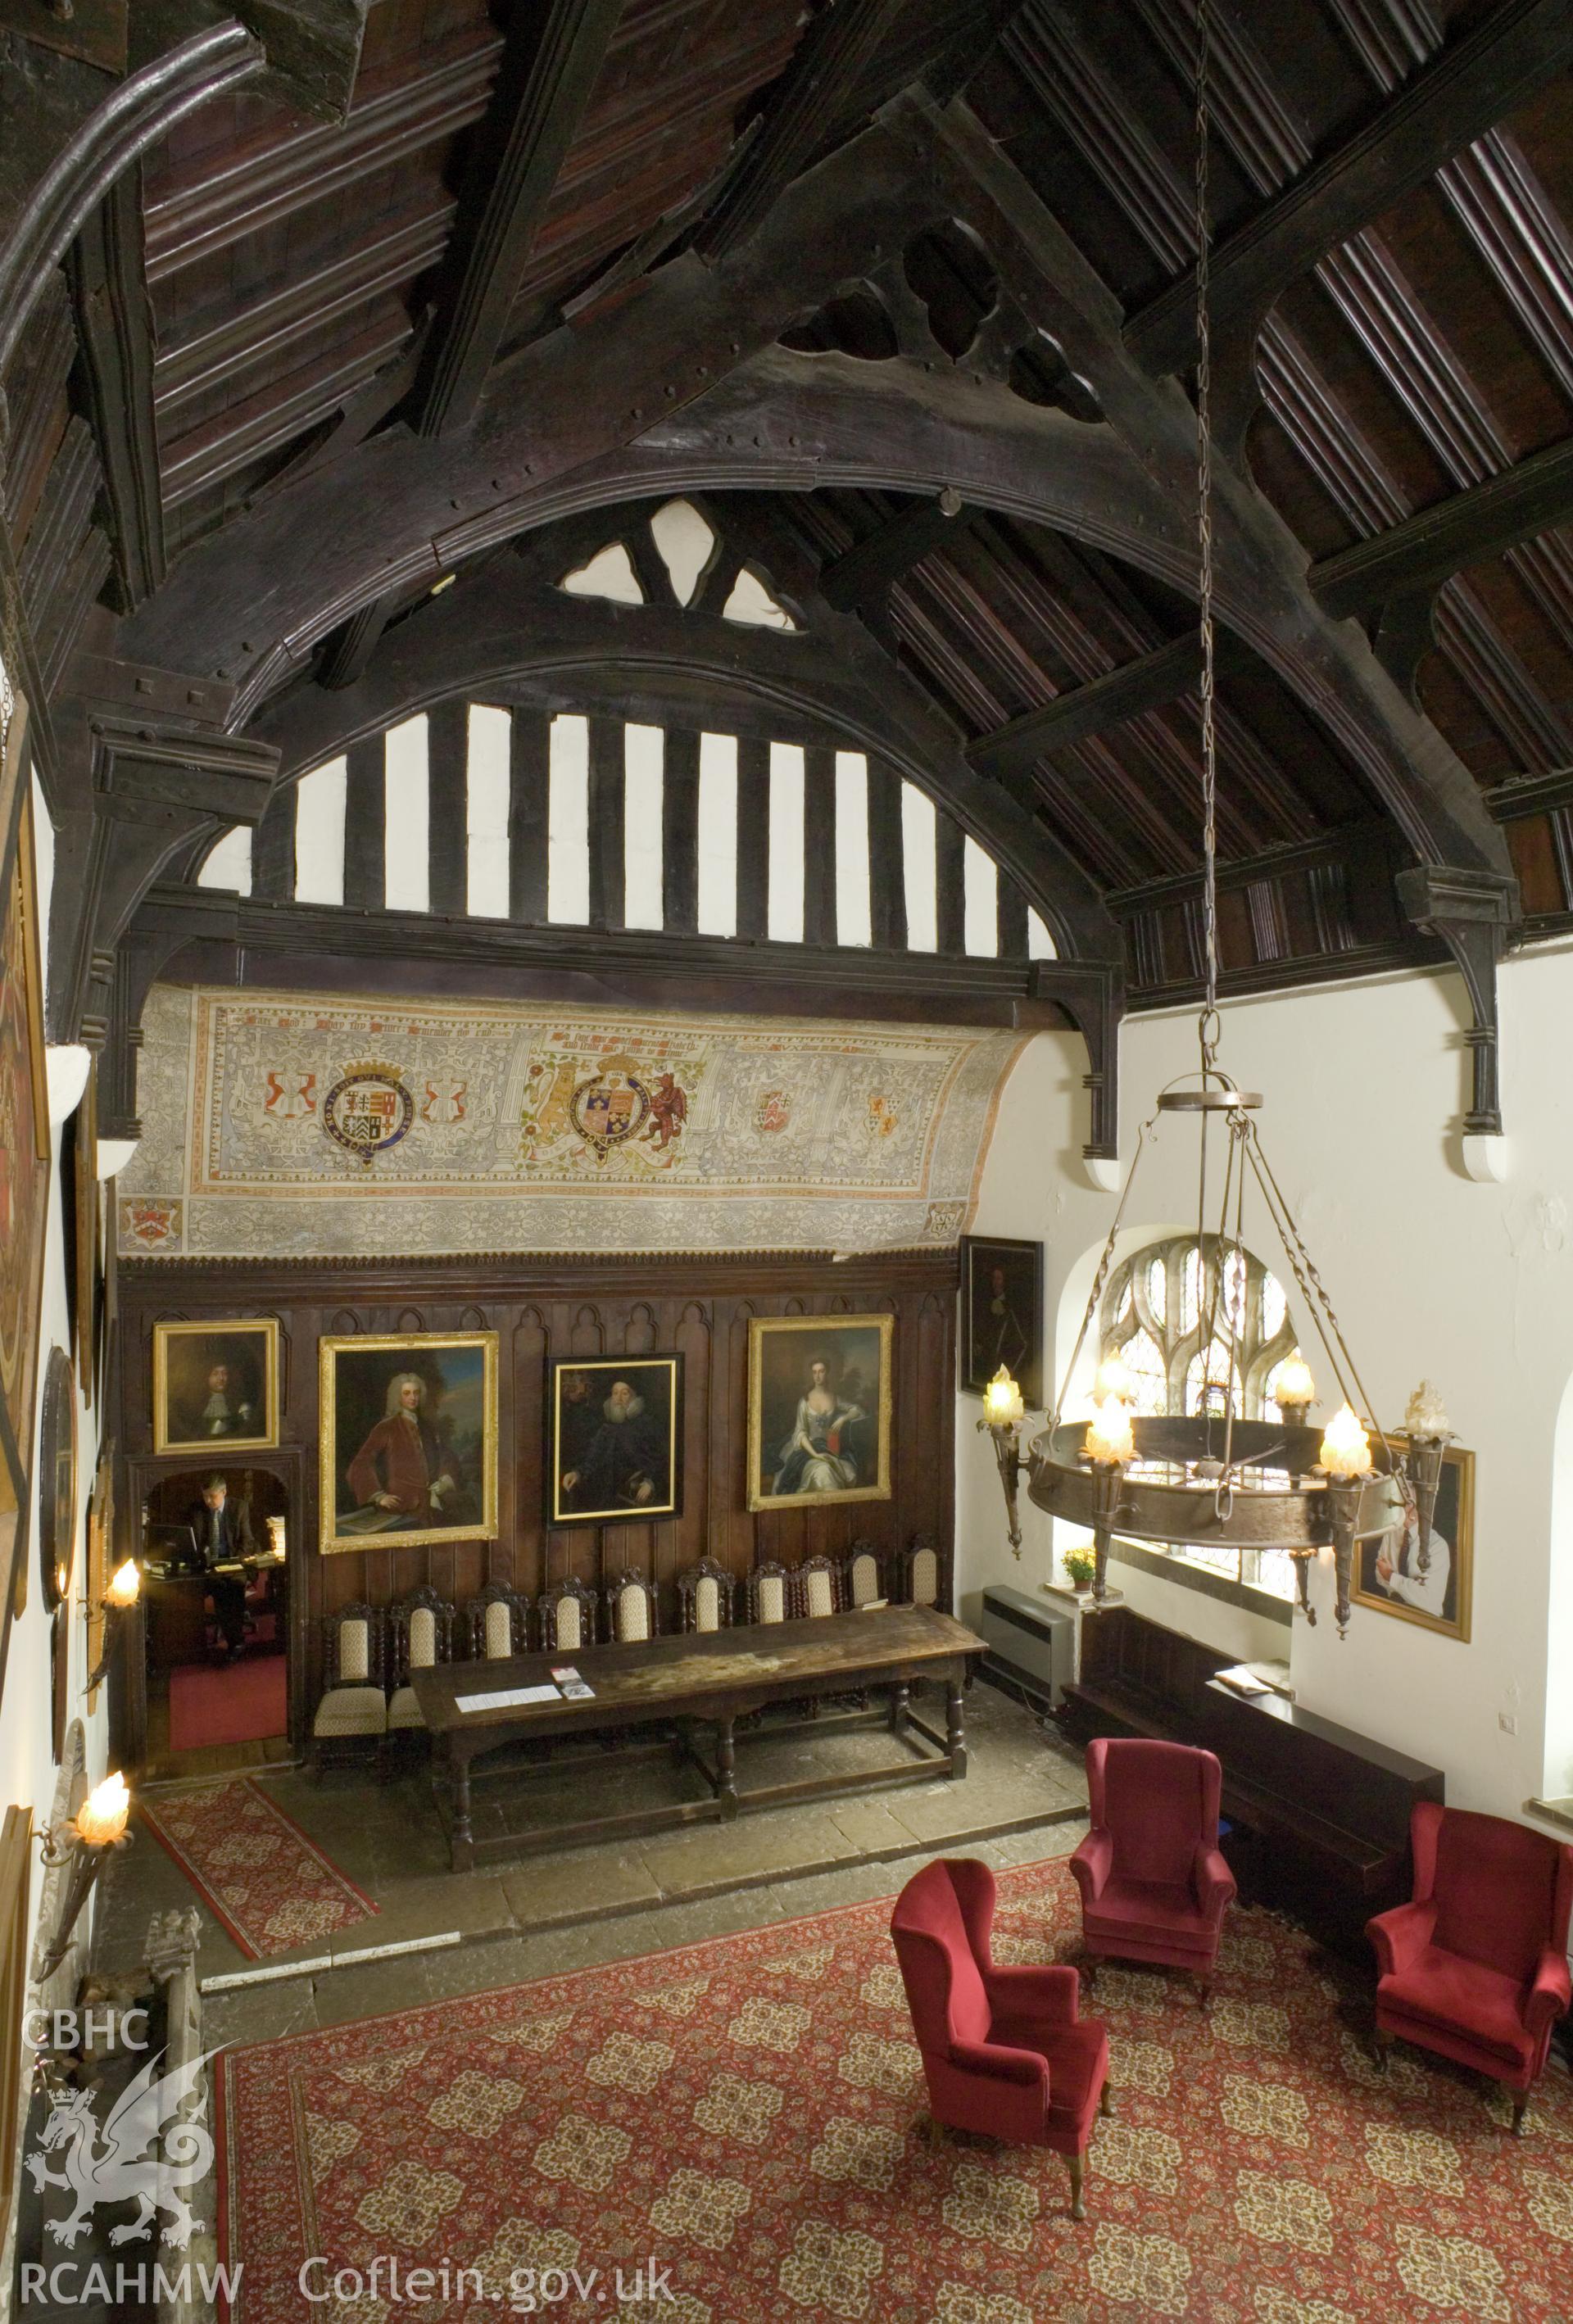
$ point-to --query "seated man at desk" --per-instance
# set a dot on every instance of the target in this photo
(224, 1536)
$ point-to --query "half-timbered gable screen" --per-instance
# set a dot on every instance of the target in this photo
(485, 811)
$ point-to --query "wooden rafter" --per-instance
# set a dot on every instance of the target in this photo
(1134, 688)
(114, 336)
(863, 574)
(815, 95)
(548, 72)
(1448, 104)
(1523, 501)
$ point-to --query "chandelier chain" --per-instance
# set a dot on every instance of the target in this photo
(1204, 496)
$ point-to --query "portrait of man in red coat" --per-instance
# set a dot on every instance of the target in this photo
(406, 1473)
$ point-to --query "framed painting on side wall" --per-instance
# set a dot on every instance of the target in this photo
(24, 1142)
(216, 1386)
(614, 1437)
(1389, 1574)
(409, 1437)
(1001, 1315)
(818, 1410)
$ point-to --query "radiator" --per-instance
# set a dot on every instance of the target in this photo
(1030, 1643)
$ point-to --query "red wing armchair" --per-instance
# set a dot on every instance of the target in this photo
(1003, 2050)
(1475, 1966)
(1153, 1885)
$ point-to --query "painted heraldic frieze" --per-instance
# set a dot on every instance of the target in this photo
(281, 1126)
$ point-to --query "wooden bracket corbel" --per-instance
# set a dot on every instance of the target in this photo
(1472, 913)
(1092, 994)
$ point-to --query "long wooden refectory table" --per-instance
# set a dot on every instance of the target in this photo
(709, 1679)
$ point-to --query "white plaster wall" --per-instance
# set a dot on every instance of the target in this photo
(1429, 1273)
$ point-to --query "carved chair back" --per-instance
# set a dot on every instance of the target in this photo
(819, 1587)
(862, 1575)
(921, 1571)
(568, 1616)
(704, 1597)
(354, 1647)
(497, 1624)
(422, 1633)
(770, 1592)
(633, 1610)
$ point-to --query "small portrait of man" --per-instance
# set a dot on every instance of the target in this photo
(1003, 1313)
(1391, 1569)
(215, 1384)
(614, 1427)
(409, 1437)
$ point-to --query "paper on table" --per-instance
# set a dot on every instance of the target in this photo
(506, 1699)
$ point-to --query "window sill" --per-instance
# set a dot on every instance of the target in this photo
(1219, 1586)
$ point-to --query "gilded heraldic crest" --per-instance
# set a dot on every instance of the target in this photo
(610, 1107)
(368, 1111)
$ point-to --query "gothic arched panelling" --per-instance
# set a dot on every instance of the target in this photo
(697, 1307)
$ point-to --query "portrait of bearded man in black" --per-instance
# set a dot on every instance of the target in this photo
(614, 1440)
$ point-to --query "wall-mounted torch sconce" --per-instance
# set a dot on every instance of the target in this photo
(80, 1850)
(119, 1598)
(1003, 1414)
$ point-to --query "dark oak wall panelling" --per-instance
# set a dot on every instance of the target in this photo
(699, 1307)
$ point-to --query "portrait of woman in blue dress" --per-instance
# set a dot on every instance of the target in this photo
(820, 1455)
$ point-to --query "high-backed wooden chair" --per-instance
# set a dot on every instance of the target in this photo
(770, 1592)
(819, 1588)
(351, 1721)
(704, 1597)
(633, 1610)
(862, 1575)
(921, 1571)
(567, 1617)
(421, 1637)
(496, 1624)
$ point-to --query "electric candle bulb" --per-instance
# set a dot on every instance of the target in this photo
(1425, 1414)
(1294, 1384)
(123, 1585)
(1345, 1447)
(1002, 1401)
(1113, 1380)
(103, 1814)
(1108, 1433)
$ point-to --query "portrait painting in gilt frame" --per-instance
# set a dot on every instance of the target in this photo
(1387, 1565)
(409, 1437)
(1001, 1315)
(613, 1439)
(818, 1410)
(24, 1140)
(216, 1386)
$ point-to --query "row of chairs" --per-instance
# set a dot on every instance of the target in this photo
(369, 1652)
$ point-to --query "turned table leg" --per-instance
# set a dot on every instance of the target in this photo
(726, 1769)
(954, 1733)
(461, 1848)
(899, 1697)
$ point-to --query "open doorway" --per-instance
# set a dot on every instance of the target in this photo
(216, 1585)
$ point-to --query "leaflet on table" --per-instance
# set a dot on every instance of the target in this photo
(506, 1699)
(571, 1683)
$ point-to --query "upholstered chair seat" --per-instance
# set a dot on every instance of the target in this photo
(704, 1597)
(769, 1592)
(1474, 1967)
(422, 1638)
(351, 1719)
(1004, 2051)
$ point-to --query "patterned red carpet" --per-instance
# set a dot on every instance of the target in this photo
(253, 1866)
(744, 2111)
